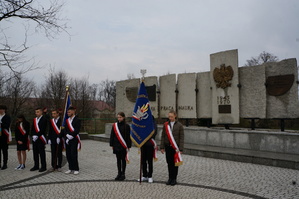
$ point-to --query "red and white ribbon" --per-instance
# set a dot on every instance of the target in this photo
(79, 142)
(35, 124)
(21, 129)
(55, 127)
(177, 156)
(153, 142)
(70, 126)
(121, 140)
(8, 135)
(43, 139)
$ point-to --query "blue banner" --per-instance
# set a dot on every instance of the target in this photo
(66, 107)
(142, 119)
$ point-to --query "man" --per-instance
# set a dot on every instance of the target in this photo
(5, 135)
(72, 128)
(55, 141)
(39, 141)
(172, 142)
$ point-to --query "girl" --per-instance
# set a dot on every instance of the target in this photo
(120, 142)
(22, 131)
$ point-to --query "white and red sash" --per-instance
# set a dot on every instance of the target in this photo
(70, 126)
(177, 156)
(21, 129)
(8, 135)
(43, 139)
(79, 142)
(35, 124)
(55, 127)
(153, 142)
(121, 140)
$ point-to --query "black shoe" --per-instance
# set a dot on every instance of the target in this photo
(4, 167)
(34, 169)
(117, 177)
(42, 169)
(122, 177)
(169, 182)
(173, 182)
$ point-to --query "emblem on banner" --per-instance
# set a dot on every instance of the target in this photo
(141, 112)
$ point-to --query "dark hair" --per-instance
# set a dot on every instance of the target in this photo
(55, 111)
(121, 114)
(172, 111)
(39, 108)
(72, 108)
(21, 116)
(3, 107)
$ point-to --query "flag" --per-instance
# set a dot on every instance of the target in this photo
(142, 119)
(66, 107)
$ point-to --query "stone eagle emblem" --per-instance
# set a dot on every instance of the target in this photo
(223, 76)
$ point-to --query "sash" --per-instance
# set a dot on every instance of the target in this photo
(28, 143)
(79, 142)
(35, 124)
(70, 126)
(21, 129)
(153, 142)
(121, 140)
(177, 156)
(55, 127)
(8, 135)
(43, 139)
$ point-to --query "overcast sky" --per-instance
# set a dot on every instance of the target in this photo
(112, 38)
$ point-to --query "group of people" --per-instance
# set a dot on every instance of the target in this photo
(42, 131)
(172, 143)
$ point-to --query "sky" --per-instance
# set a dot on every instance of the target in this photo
(111, 39)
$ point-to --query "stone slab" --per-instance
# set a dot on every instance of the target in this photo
(286, 105)
(204, 95)
(152, 82)
(252, 92)
(225, 100)
(186, 104)
(167, 94)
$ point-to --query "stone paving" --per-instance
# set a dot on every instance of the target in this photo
(198, 178)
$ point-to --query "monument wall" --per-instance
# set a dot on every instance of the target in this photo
(167, 94)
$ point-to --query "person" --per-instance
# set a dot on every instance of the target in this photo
(148, 153)
(5, 135)
(54, 139)
(22, 131)
(172, 142)
(120, 142)
(39, 141)
(72, 140)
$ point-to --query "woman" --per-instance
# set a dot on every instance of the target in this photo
(121, 143)
(22, 131)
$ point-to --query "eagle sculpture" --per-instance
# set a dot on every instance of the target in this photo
(223, 75)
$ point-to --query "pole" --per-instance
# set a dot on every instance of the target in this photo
(140, 172)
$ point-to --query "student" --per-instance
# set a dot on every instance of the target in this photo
(5, 135)
(72, 140)
(22, 138)
(172, 142)
(54, 139)
(120, 142)
(147, 153)
(39, 141)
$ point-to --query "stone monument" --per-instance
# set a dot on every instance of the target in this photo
(167, 94)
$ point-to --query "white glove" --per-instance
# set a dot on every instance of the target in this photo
(69, 137)
(58, 140)
(67, 141)
(49, 142)
(34, 138)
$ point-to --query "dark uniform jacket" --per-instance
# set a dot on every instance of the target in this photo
(125, 132)
(42, 124)
(76, 123)
(5, 124)
(148, 143)
(178, 135)
(19, 136)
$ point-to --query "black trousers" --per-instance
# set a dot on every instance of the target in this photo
(56, 155)
(72, 154)
(147, 153)
(121, 161)
(172, 169)
(4, 151)
(39, 152)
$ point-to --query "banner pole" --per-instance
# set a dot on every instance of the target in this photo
(140, 172)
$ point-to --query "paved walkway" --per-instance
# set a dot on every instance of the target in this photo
(198, 178)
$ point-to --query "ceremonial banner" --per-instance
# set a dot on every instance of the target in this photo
(142, 120)
(66, 106)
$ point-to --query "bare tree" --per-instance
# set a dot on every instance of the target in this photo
(107, 92)
(262, 58)
(46, 18)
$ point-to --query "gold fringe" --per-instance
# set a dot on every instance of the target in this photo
(179, 163)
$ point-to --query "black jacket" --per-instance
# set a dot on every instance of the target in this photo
(125, 132)
(5, 124)
(18, 135)
(42, 124)
(76, 123)
(52, 134)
